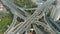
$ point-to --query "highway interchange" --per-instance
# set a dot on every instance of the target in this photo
(19, 12)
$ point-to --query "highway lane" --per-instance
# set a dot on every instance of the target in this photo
(14, 8)
(23, 8)
(50, 24)
(41, 28)
(27, 28)
(29, 8)
(13, 11)
(37, 12)
(41, 14)
(23, 28)
(56, 26)
(13, 22)
(19, 8)
(38, 31)
(53, 22)
(46, 26)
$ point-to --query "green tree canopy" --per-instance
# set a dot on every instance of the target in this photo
(25, 3)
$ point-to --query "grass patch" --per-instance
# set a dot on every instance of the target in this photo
(6, 20)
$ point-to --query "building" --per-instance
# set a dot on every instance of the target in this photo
(55, 14)
(2, 10)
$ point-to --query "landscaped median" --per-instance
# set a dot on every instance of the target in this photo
(26, 4)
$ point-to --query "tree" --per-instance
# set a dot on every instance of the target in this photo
(25, 3)
(20, 19)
